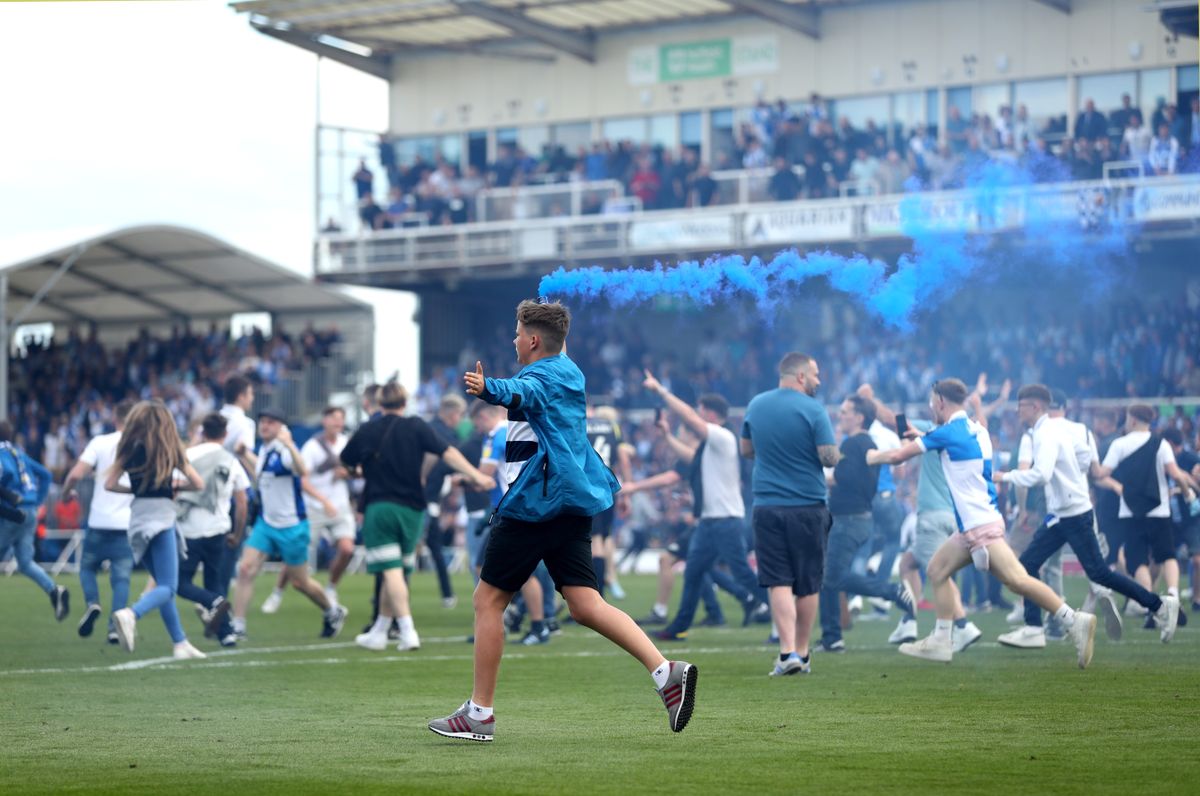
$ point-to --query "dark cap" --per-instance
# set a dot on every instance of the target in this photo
(273, 414)
(1058, 399)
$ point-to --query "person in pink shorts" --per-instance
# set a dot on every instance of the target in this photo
(966, 453)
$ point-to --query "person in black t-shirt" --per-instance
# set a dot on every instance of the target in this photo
(390, 451)
(851, 489)
(451, 410)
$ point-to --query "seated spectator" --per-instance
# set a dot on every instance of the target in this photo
(703, 188)
(1164, 151)
(398, 207)
(864, 172)
(815, 178)
(1135, 142)
(755, 156)
(646, 183)
(785, 185)
(371, 214)
(893, 173)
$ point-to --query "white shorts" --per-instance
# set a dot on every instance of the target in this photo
(340, 527)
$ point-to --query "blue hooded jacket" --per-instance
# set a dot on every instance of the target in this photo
(566, 475)
(36, 484)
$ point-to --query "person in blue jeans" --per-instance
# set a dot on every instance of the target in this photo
(852, 491)
(26, 478)
(107, 533)
(712, 469)
(150, 451)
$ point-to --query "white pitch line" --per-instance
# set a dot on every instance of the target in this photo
(167, 663)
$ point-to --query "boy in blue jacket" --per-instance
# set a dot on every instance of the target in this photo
(557, 484)
(25, 477)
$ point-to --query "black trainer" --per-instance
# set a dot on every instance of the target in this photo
(89, 618)
(215, 617)
(60, 599)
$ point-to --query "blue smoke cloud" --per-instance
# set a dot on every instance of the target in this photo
(1059, 229)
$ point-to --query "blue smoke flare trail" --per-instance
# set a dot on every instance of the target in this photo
(944, 255)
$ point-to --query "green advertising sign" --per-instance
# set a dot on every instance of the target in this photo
(716, 58)
(695, 60)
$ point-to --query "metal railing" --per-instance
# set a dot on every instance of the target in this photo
(545, 201)
(750, 226)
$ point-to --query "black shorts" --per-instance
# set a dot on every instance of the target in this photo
(789, 543)
(515, 548)
(679, 547)
(602, 523)
(1147, 538)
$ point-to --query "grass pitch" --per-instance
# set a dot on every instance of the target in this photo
(289, 713)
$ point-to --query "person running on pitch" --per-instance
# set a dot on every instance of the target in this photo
(282, 529)
(712, 471)
(547, 515)
(966, 451)
(1061, 462)
(151, 452)
(935, 524)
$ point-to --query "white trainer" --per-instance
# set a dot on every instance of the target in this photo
(855, 604)
(1025, 637)
(272, 603)
(963, 637)
(1017, 615)
(1083, 633)
(125, 623)
(1168, 618)
(1106, 607)
(928, 649)
(409, 640)
(185, 651)
(905, 632)
(372, 641)
(1135, 609)
(618, 593)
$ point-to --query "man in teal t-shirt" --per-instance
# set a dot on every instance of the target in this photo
(788, 434)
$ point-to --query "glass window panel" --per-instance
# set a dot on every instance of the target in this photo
(1187, 78)
(721, 140)
(861, 109)
(627, 129)
(1043, 100)
(908, 109)
(450, 147)
(664, 131)
(1106, 90)
(987, 100)
(1155, 90)
(690, 128)
(573, 135)
(960, 98)
(933, 116)
(506, 135)
(533, 139)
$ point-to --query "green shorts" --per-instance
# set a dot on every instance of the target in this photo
(390, 534)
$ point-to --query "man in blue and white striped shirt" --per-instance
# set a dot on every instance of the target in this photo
(966, 451)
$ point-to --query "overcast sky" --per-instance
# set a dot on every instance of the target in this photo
(174, 112)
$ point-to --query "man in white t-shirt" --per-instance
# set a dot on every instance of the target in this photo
(239, 440)
(208, 528)
(327, 494)
(717, 493)
(107, 536)
(1145, 514)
